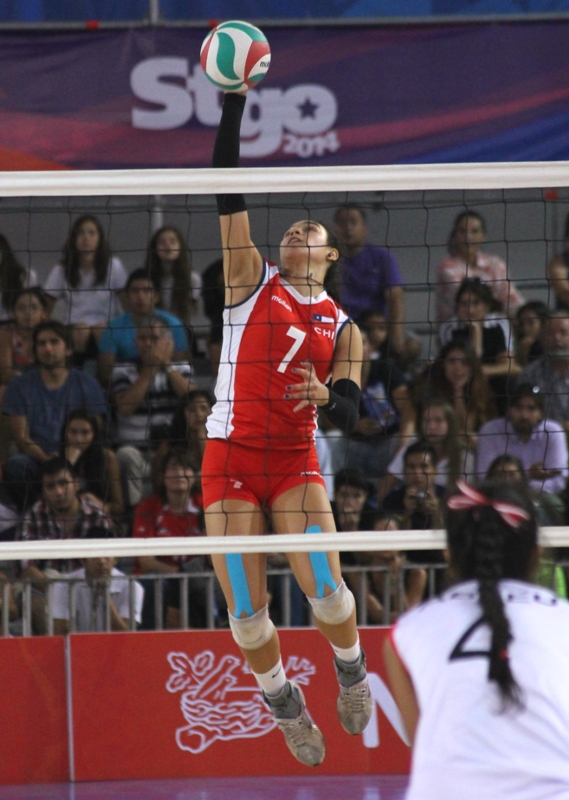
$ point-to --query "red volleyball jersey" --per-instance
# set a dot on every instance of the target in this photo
(264, 338)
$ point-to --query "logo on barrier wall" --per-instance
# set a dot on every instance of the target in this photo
(221, 700)
(299, 120)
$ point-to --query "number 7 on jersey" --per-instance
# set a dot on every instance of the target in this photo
(298, 337)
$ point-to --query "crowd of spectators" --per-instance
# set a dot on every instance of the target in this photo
(103, 424)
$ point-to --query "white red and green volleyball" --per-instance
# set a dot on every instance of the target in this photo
(235, 54)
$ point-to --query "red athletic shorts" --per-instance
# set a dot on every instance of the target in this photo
(237, 471)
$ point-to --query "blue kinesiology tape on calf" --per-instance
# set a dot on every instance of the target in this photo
(321, 568)
(239, 586)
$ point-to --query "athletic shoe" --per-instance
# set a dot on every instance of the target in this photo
(303, 738)
(355, 703)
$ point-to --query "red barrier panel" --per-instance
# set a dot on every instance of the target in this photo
(33, 711)
(173, 704)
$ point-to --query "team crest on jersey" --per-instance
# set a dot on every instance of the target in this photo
(207, 690)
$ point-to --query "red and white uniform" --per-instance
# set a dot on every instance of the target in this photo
(264, 337)
(465, 748)
(153, 518)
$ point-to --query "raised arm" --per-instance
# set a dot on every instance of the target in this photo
(242, 262)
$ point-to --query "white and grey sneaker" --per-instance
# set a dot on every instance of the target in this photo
(304, 739)
(355, 702)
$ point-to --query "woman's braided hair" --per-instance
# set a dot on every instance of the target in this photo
(484, 547)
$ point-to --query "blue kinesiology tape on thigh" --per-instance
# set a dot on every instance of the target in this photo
(239, 586)
(320, 567)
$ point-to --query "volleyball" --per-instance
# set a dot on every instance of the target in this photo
(235, 54)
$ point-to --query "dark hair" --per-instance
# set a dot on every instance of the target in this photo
(495, 470)
(474, 287)
(35, 291)
(90, 467)
(12, 273)
(58, 464)
(527, 390)
(141, 274)
(538, 307)
(452, 448)
(364, 323)
(350, 207)
(420, 447)
(60, 330)
(433, 383)
(179, 433)
(180, 272)
(99, 532)
(467, 214)
(388, 516)
(70, 254)
(180, 457)
(483, 547)
(352, 476)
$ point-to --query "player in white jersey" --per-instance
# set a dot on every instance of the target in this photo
(287, 349)
(480, 674)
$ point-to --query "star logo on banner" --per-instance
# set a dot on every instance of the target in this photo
(307, 109)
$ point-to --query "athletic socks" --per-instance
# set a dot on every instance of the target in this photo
(273, 681)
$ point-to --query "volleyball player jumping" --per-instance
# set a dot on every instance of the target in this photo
(480, 674)
(287, 348)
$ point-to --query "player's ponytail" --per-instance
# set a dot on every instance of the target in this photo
(492, 535)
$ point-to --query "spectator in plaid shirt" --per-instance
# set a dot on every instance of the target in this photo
(61, 513)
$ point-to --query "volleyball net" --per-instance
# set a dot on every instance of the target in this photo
(409, 209)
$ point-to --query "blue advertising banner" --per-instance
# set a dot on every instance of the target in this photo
(200, 10)
(138, 98)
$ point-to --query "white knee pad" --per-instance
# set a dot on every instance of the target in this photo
(335, 608)
(253, 632)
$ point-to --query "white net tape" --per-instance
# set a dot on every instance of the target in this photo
(393, 177)
(283, 543)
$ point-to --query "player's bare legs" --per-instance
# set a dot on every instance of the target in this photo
(243, 580)
(306, 508)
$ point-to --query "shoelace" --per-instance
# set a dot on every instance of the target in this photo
(295, 728)
(356, 696)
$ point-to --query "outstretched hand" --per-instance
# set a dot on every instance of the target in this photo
(310, 391)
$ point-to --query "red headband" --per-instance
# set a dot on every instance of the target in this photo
(470, 498)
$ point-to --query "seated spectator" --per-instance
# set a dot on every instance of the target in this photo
(487, 333)
(456, 376)
(96, 466)
(529, 323)
(387, 419)
(16, 337)
(37, 403)
(13, 278)
(369, 277)
(558, 272)
(118, 342)
(146, 394)
(539, 443)
(466, 260)
(13, 611)
(188, 429)
(174, 510)
(509, 469)
(398, 586)
(417, 501)
(550, 372)
(438, 428)
(97, 588)
(61, 513)
(213, 298)
(89, 279)
(168, 265)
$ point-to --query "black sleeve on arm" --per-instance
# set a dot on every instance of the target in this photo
(226, 149)
(343, 407)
